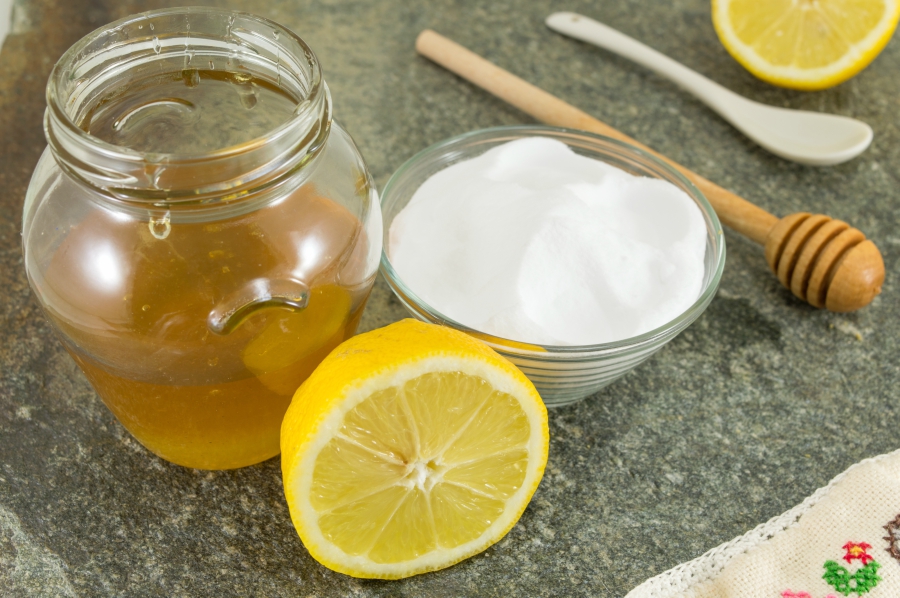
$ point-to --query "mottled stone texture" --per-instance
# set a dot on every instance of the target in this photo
(760, 402)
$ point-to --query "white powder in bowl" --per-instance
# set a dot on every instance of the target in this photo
(534, 243)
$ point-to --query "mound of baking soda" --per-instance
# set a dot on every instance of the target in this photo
(534, 243)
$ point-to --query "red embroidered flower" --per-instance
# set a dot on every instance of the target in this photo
(858, 551)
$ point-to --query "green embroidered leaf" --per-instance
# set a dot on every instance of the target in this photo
(863, 580)
(866, 577)
(837, 577)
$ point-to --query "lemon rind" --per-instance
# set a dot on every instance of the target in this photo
(859, 57)
(305, 518)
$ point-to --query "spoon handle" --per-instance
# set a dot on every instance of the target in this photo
(735, 212)
(712, 94)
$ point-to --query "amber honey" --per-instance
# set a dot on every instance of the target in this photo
(197, 230)
(136, 294)
(135, 311)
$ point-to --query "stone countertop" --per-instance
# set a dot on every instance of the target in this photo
(760, 402)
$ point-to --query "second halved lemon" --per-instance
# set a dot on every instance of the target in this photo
(409, 449)
(805, 44)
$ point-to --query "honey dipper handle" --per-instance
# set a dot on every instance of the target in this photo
(735, 212)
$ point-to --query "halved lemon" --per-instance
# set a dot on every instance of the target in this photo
(409, 449)
(805, 44)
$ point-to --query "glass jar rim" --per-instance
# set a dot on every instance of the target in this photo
(69, 140)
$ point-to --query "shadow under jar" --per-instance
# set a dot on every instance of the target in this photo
(200, 232)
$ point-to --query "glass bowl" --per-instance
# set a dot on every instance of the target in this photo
(562, 374)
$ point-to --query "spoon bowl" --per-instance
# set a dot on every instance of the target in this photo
(812, 138)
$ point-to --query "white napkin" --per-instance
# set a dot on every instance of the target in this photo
(844, 540)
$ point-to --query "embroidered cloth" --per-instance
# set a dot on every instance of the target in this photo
(844, 540)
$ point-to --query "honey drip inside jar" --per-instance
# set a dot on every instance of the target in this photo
(132, 296)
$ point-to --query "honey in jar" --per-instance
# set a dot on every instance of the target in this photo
(199, 232)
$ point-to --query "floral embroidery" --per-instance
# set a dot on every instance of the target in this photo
(790, 594)
(858, 550)
(893, 537)
(860, 582)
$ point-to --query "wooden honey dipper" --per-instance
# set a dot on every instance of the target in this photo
(823, 261)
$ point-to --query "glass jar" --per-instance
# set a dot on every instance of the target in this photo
(199, 231)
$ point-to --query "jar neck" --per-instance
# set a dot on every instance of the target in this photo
(174, 40)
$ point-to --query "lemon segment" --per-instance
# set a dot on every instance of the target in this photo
(805, 44)
(409, 449)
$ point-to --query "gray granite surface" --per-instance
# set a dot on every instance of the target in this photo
(760, 402)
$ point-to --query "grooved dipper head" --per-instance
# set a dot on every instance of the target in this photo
(825, 262)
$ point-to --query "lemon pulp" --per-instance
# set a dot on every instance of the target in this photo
(805, 44)
(399, 460)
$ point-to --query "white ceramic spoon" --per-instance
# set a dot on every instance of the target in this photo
(807, 137)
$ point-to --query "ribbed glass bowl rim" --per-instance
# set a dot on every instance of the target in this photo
(549, 352)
